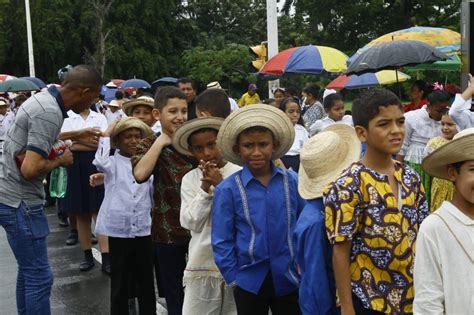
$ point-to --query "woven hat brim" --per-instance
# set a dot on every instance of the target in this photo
(311, 188)
(128, 123)
(458, 150)
(257, 115)
(181, 135)
(128, 106)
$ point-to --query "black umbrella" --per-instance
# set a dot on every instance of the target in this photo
(393, 55)
(17, 85)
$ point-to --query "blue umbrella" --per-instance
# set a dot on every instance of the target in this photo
(109, 93)
(135, 83)
(163, 81)
(38, 82)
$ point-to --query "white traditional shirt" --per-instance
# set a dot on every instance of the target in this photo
(419, 129)
(195, 216)
(111, 117)
(460, 112)
(320, 124)
(156, 127)
(126, 209)
(444, 263)
(76, 122)
(301, 136)
(233, 104)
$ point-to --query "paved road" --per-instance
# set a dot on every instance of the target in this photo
(74, 292)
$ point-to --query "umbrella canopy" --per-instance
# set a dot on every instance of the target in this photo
(453, 63)
(114, 83)
(164, 81)
(445, 40)
(4, 77)
(135, 83)
(319, 60)
(17, 85)
(109, 93)
(367, 80)
(394, 54)
(38, 82)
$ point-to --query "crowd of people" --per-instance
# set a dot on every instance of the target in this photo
(294, 205)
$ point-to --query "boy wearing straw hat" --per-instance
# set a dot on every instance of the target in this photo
(205, 289)
(317, 293)
(373, 213)
(113, 112)
(156, 156)
(124, 217)
(255, 210)
(444, 263)
(142, 108)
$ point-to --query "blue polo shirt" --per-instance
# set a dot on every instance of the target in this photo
(252, 230)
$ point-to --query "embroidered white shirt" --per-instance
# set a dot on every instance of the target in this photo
(195, 216)
(460, 112)
(301, 136)
(326, 121)
(126, 209)
(444, 263)
(419, 129)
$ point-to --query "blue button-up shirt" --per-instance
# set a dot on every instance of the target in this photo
(252, 230)
(317, 293)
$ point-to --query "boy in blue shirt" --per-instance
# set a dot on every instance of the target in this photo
(255, 211)
(317, 293)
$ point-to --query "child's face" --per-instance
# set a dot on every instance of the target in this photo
(336, 112)
(448, 127)
(293, 111)
(144, 113)
(113, 109)
(436, 110)
(464, 180)
(203, 147)
(3, 110)
(173, 115)
(127, 141)
(385, 132)
(279, 96)
(256, 149)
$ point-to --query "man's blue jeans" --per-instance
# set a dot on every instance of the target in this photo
(27, 229)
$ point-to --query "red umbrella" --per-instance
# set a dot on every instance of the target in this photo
(4, 77)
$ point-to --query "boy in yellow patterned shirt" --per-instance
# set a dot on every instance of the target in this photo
(373, 213)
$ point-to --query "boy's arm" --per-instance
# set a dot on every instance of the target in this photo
(429, 298)
(144, 167)
(223, 234)
(103, 160)
(459, 110)
(341, 265)
(195, 207)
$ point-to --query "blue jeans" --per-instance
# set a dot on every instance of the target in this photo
(27, 229)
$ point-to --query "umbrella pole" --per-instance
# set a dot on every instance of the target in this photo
(398, 84)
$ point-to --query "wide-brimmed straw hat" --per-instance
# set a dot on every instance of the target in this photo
(258, 115)
(214, 85)
(128, 123)
(114, 103)
(460, 149)
(128, 106)
(181, 135)
(324, 156)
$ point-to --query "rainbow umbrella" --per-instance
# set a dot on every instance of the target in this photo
(367, 80)
(318, 60)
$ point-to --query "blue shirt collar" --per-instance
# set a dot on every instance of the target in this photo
(55, 93)
(247, 175)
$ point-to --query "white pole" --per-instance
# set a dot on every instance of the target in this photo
(31, 57)
(272, 36)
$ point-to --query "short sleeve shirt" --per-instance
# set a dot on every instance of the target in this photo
(36, 127)
(360, 207)
(167, 176)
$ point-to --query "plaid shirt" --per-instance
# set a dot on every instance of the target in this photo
(168, 173)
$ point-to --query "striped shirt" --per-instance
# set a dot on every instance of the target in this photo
(36, 128)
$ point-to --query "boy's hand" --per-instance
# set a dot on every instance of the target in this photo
(88, 136)
(96, 179)
(66, 158)
(164, 139)
(211, 175)
(111, 128)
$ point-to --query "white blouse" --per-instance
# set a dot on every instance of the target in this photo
(76, 122)
(320, 124)
(126, 209)
(301, 136)
(460, 112)
(111, 117)
(419, 129)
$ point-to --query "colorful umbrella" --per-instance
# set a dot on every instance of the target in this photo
(17, 85)
(367, 80)
(319, 60)
(393, 55)
(114, 83)
(445, 40)
(453, 63)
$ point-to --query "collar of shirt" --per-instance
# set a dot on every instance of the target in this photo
(460, 216)
(55, 93)
(247, 175)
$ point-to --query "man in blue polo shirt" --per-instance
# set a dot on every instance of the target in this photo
(32, 135)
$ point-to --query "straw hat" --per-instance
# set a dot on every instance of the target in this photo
(181, 135)
(128, 106)
(460, 149)
(114, 103)
(3, 103)
(214, 85)
(324, 156)
(258, 115)
(127, 123)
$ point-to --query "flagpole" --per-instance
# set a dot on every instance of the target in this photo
(31, 57)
